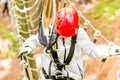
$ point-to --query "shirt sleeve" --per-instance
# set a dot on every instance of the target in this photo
(89, 47)
(32, 41)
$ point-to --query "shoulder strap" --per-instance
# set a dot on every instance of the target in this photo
(41, 36)
(53, 38)
(71, 52)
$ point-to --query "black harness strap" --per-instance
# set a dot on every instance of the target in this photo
(42, 38)
(71, 52)
(56, 60)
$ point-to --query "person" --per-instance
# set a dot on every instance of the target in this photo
(5, 8)
(65, 39)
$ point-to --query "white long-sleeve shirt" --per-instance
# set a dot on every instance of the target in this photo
(75, 68)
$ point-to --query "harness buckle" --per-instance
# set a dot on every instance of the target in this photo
(58, 74)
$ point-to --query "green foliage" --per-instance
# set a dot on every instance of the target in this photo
(19, 78)
(105, 8)
(107, 30)
(6, 34)
(105, 12)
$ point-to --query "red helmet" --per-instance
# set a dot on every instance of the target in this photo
(67, 22)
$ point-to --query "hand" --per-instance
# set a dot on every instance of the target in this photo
(27, 50)
(114, 50)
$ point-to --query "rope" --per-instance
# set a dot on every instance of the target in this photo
(37, 3)
(87, 22)
(21, 18)
(96, 34)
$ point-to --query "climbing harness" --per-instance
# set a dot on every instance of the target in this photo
(53, 53)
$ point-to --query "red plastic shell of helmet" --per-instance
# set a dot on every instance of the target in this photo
(67, 22)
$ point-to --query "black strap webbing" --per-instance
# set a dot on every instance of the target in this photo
(71, 52)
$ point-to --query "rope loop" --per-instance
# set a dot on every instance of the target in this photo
(96, 34)
(86, 23)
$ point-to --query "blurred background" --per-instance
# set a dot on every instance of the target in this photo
(103, 14)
